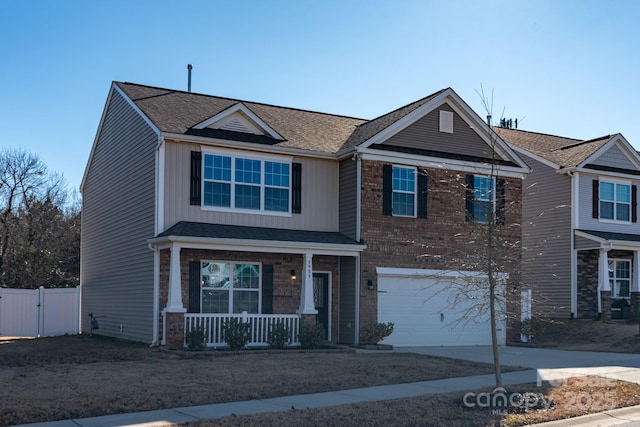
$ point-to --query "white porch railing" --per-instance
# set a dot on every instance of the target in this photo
(261, 325)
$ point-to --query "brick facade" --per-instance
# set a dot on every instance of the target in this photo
(587, 284)
(286, 292)
(444, 240)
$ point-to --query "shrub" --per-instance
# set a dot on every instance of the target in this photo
(195, 338)
(311, 335)
(279, 336)
(531, 328)
(236, 333)
(376, 332)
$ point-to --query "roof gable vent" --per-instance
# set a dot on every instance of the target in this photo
(236, 123)
(446, 121)
(239, 118)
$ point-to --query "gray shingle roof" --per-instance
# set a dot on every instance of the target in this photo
(624, 237)
(565, 152)
(177, 112)
(219, 231)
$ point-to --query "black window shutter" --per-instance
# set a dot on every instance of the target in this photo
(595, 198)
(500, 202)
(387, 190)
(194, 286)
(634, 203)
(196, 178)
(469, 198)
(267, 289)
(296, 188)
(422, 194)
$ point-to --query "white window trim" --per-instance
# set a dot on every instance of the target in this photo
(492, 201)
(250, 156)
(614, 182)
(613, 281)
(415, 191)
(232, 289)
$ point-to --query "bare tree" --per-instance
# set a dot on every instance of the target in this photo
(37, 232)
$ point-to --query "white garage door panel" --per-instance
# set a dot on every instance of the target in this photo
(423, 319)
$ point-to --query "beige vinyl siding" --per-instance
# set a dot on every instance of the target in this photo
(348, 198)
(348, 300)
(614, 157)
(547, 239)
(319, 196)
(117, 219)
(586, 220)
(425, 135)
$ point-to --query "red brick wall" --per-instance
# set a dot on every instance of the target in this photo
(443, 241)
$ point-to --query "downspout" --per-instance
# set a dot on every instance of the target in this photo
(358, 237)
(574, 253)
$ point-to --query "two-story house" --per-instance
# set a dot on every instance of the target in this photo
(199, 208)
(581, 236)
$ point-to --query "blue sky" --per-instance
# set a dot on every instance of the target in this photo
(567, 68)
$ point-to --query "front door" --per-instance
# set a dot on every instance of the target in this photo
(321, 300)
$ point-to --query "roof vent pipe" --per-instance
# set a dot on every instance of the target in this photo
(189, 68)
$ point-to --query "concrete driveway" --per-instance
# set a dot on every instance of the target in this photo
(551, 364)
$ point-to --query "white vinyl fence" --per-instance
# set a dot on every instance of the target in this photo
(39, 312)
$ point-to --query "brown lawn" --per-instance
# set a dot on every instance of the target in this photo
(81, 376)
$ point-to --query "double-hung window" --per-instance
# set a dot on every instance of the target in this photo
(620, 277)
(243, 183)
(483, 198)
(229, 287)
(404, 191)
(615, 201)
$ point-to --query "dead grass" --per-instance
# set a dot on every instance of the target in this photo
(578, 396)
(79, 376)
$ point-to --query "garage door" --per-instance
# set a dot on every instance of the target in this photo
(422, 313)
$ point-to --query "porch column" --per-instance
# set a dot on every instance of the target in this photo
(603, 271)
(173, 324)
(174, 300)
(306, 296)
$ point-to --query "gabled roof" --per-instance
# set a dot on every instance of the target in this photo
(178, 112)
(561, 151)
(367, 130)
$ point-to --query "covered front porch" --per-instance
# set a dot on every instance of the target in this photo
(207, 276)
(607, 280)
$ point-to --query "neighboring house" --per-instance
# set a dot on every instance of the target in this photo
(581, 235)
(198, 208)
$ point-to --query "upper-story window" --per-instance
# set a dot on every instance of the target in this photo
(615, 201)
(620, 277)
(244, 183)
(404, 191)
(485, 199)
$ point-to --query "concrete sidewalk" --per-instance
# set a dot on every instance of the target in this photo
(546, 364)
(316, 400)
